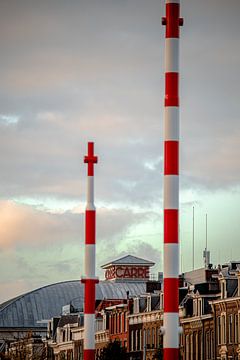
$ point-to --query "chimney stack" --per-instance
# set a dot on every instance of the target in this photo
(90, 279)
(172, 21)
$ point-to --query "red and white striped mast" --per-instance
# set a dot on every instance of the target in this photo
(90, 279)
(172, 21)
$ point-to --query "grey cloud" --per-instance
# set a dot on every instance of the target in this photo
(100, 70)
(87, 70)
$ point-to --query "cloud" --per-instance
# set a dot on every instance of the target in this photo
(40, 247)
(78, 71)
(25, 225)
(22, 225)
(86, 71)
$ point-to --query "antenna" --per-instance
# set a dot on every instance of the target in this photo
(193, 233)
(206, 252)
(206, 232)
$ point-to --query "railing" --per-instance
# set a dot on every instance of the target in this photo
(102, 336)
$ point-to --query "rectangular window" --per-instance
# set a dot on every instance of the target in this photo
(223, 329)
(136, 340)
(212, 344)
(194, 307)
(199, 312)
(219, 329)
(122, 321)
(230, 328)
(207, 345)
(153, 337)
(187, 347)
(132, 340)
(236, 328)
(140, 340)
(191, 347)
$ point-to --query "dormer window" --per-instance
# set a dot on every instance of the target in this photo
(197, 307)
(238, 277)
(136, 305)
(161, 300)
(223, 289)
(149, 303)
(194, 307)
(200, 307)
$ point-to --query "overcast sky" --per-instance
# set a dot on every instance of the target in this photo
(79, 70)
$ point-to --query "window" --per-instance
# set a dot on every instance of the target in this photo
(136, 340)
(136, 305)
(211, 344)
(230, 328)
(191, 347)
(148, 303)
(187, 348)
(236, 328)
(153, 337)
(223, 289)
(219, 330)
(195, 307)
(132, 340)
(207, 347)
(161, 301)
(199, 342)
(148, 338)
(199, 310)
(144, 339)
(223, 329)
(123, 321)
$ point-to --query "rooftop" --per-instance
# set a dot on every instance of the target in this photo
(129, 260)
(46, 302)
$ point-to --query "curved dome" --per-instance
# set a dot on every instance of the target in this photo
(42, 304)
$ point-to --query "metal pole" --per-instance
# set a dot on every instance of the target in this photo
(206, 233)
(193, 238)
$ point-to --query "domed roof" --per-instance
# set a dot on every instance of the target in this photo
(29, 309)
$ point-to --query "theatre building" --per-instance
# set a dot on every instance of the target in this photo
(128, 268)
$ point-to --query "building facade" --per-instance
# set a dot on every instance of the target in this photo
(209, 313)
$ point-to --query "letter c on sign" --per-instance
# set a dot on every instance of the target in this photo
(119, 272)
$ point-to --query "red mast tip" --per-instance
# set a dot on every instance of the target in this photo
(90, 159)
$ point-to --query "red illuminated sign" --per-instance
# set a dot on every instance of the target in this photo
(127, 272)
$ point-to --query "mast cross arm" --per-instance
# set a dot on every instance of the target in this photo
(90, 159)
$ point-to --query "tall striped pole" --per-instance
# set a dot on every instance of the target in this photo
(172, 21)
(90, 279)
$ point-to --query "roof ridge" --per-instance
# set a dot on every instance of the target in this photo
(136, 258)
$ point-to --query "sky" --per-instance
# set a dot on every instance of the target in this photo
(88, 70)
